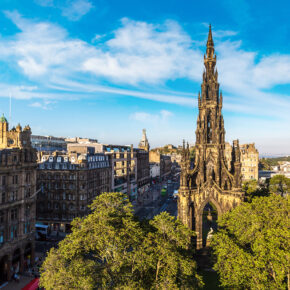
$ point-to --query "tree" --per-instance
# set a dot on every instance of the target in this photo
(168, 255)
(252, 245)
(279, 184)
(111, 249)
(253, 189)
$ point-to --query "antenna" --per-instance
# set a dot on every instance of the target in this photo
(10, 107)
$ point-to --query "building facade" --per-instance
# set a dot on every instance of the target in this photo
(123, 166)
(249, 160)
(210, 181)
(48, 143)
(143, 167)
(17, 199)
(69, 183)
(164, 162)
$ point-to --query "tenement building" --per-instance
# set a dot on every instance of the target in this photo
(69, 183)
(143, 167)
(211, 181)
(124, 168)
(249, 160)
(17, 199)
(163, 161)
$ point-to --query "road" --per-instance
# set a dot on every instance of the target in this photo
(159, 203)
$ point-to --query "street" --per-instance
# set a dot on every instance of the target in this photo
(159, 203)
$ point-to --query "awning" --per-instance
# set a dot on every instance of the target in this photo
(32, 285)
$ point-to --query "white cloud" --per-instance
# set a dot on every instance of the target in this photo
(145, 117)
(74, 10)
(142, 57)
(147, 53)
(45, 105)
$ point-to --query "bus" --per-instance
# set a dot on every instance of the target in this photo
(41, 231)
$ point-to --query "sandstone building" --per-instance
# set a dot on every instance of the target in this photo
(211, 180)
(69, 182)
(123, 166)
(164, 162)
(143, 167)
(249, 160)
(17, 199)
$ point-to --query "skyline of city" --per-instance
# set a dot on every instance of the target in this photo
(89, 70)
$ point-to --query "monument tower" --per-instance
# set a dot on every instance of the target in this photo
(210, 180)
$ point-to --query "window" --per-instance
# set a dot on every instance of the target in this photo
(15, 179)
(13, 232)
(14, 214)
(1, 236)
(13, 195)
(3, 195)
(3, 180)
(1, 217)
(26, 228)
(27, 192)
(27, 177)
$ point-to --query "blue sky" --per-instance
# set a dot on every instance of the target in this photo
(108, 69)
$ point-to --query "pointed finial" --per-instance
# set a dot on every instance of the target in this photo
(209, 39)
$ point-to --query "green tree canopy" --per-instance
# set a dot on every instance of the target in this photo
(279, 184)
(253, 189)
(111, 249)
(252, 245)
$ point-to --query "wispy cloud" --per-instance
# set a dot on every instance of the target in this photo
(74, 10)
(45, 105)
(148, 118)
(141, 52)
(138, 60)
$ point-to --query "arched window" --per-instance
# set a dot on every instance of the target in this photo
(209, 129)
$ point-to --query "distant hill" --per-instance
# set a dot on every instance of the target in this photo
(267, 163)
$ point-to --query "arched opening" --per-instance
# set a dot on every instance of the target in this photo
(4, 269)
(209, 222)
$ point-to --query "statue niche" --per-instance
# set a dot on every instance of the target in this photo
(210, 174)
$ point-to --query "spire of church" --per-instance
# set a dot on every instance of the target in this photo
(209, 39)
(144, 144)
(210, 60)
